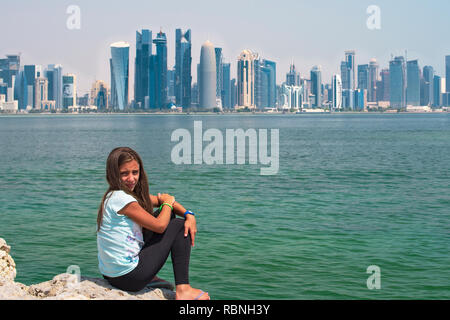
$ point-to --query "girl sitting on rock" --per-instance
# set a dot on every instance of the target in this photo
(133, 242)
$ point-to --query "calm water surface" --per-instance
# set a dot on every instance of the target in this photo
(352, 190)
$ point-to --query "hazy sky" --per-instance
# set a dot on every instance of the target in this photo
(307, 32)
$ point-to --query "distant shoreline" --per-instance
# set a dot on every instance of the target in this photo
(213, 113)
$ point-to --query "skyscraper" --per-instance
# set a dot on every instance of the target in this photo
(246, 79)
(265, 83)
(348, 78)
(372, 81)
(383, 86)
(413, 83)
(119, 63)
(40, 92)
(183, 61)
(9, 72)
(28, 85)
(271, 67)
(426, 92)
(316, 86)
(159, 69)
(99, 95)
(292, 77)
(226, 85)
(363, 76)
(54, 76)
(219, 63)
(69, 91)
(142, 68)
(348, 71)
(397, 83)
(207, 76)
(336, 84)
(437, 91)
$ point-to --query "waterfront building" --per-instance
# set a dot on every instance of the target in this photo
(28, 78)
(171, 86)
(54, 75)
(292, 77)
(360, 97)
(363, 76)
(397, 83)
(413, 83)
(246, 79)
(426, 86)
(234, 96)
(336, 87)
(291, 97)
(9, 72)
(158, 73)
(207, 76)
(383, 86)
(372, 81)
(119, 64)
(219, 66)
(69, 91)
(40, 92)
(183, 61)
(99, 95)
(142, 68)
(348, 71)
(316, 86)
(265, 83)
(194, 95)
(226, 85)
(437, 91)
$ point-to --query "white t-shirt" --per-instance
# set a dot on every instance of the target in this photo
(119, 239)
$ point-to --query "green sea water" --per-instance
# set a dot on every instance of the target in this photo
(352, 191)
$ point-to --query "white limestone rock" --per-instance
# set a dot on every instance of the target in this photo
(66, 286)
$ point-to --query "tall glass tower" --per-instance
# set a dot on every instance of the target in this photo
(207, 76)
(292, 77)
(336, 85)
(413, 83)
(141, 70)
(246, 79)
(119, 74)
(426, 93)
(373, 78)
(219, 66)
(316, 86)
(183, 61)
(159, 70)
(397, 83)
(226, 85)
(363, 76)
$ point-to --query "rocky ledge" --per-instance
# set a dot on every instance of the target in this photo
(66, 286)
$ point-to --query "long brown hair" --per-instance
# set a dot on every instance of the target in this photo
(116, 158)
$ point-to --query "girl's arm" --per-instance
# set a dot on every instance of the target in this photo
(155, 201)
(135, 212)
(178, 209)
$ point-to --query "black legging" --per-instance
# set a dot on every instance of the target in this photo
(154, 254)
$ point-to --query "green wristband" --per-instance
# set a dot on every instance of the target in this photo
(160, 208)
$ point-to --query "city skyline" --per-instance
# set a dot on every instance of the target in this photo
(337, 28)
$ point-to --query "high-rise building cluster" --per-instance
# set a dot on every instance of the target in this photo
(401, 85)
(34, 88)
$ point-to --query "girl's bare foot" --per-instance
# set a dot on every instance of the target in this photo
(186, 292)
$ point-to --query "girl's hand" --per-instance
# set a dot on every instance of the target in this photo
(190, 227)
(167, 198)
